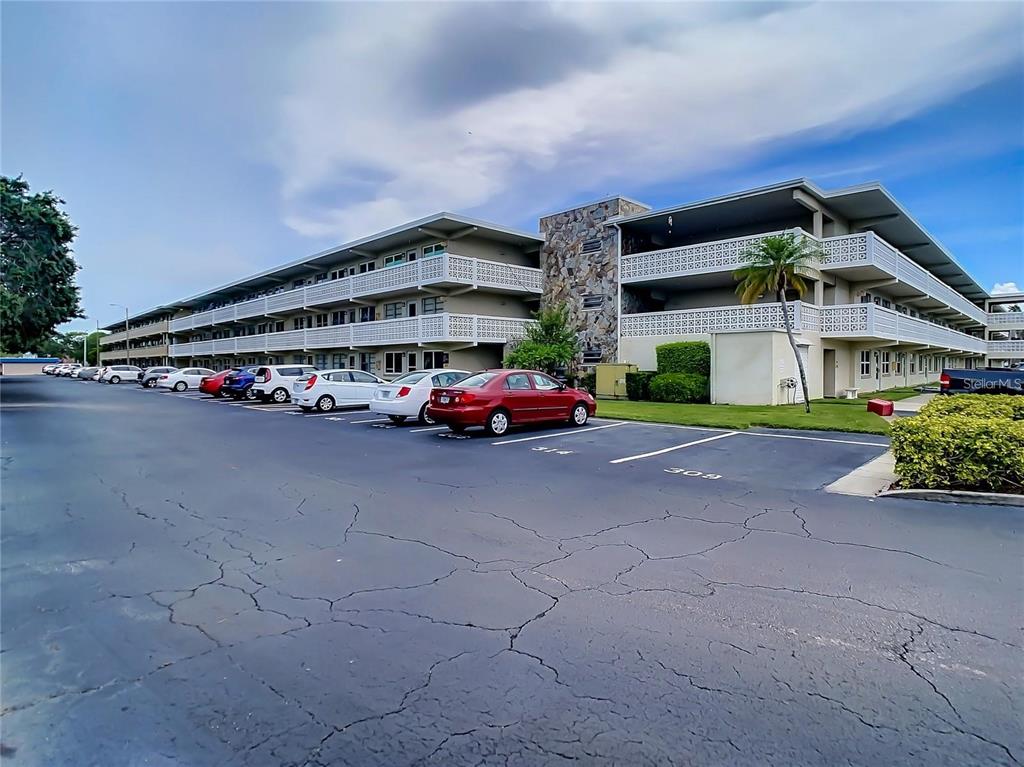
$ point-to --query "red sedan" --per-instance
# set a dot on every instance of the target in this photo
(212, 384)
(497, 399)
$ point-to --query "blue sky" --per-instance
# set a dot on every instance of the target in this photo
(198, 142)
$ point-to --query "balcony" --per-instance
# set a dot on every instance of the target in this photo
(1005, 350)
(432, 328)
(858, 257)
(715, 319)
(444, 271)
(152, 329)
(1006, 320)
(869, 322)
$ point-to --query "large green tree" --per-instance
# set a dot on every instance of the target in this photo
(775, 265)
(550, 342)
(70, 345)
(37, 270)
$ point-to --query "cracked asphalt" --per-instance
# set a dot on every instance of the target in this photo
(187, 583)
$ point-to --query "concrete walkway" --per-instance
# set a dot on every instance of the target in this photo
(912, 404)
(874, 477)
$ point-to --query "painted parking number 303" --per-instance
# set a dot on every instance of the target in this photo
(693, 473)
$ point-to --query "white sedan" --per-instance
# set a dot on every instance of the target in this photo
(186, 378)
(325, 390)
(407, 396)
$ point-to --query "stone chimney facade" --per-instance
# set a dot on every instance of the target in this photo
(580, 263)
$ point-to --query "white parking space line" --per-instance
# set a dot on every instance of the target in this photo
(674, 447)
(558, 433)
(812, 439)
(371, 420)
(427, 428)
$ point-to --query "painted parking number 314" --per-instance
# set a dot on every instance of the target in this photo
(693, 473)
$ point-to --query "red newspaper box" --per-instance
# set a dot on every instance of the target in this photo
(880, 406)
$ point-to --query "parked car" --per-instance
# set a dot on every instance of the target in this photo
(498, 399)
(212, 384)
(274, 382)
(98, 374)
(982, 381)
(66, 371)
(86, 374)
(186, 378)
(115, 374)
(48, 369)
(149, 376)
(238, 383)
(409, 395)
(325, 390)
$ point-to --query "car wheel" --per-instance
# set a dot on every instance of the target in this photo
(279, 396)
(325, 404)
(115, 379)
(249, 394)
(579, 414)
(456, 428)
(424, 418)
(397, 418)
(150, 383)
(498, 422)
(180, 386)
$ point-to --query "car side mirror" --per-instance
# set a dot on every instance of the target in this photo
(561, 387)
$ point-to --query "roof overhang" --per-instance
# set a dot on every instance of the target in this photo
(867, 207)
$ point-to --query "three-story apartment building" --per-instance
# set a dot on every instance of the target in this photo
(441, 291)
(144, 343)
(887, 304)
(1005, 329)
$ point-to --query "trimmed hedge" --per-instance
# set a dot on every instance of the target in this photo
(638, 385)
(684, 357)
(976, 406)
(679, 387)
(959, 452)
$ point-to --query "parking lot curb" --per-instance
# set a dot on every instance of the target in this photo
(958, 496)
(868, 480)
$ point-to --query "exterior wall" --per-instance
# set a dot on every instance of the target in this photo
(641, 351)
(742, 367)
(479, 247)
(493, 304)
(569, 273)
(25, 367)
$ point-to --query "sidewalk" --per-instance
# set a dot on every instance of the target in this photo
(912, 404)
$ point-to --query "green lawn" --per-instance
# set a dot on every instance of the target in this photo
(826, 416)
(893, 395)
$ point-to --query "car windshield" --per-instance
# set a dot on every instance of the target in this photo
(410, 378)
(478, 379)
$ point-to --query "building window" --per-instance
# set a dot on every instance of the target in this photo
(394, 362)
(320, 278)
(399, 258)
(592, 301)
(865, 364)
(886, 363)
(433, 250)
(866, 298)
(435, 360)
(320, 360)
(394, 311)
(337, 274)
(278, 328)
(337, 360)
(899, 363)
(913, 364)
(410, 362)
(367, 314)
(337, 318)
(411, 309)
(367, 266)
(433, 305)
(321, 320)
(590, 246)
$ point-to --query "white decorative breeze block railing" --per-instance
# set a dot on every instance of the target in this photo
(445, 268)
(872, 321)
(1006, 349)
(474, 328)
(714, 319)
(1006, 320)
(843, 252)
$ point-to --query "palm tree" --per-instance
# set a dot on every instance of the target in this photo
(775, 264)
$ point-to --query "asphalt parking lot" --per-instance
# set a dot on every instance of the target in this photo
(189, 581)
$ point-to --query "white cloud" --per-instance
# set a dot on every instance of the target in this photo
(1002, 288)
(678, 89)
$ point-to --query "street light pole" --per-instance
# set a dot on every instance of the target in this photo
(127, 336)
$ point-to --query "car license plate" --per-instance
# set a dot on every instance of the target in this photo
(385, 395)
(444, 400)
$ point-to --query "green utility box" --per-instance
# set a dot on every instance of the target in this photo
(611, 379)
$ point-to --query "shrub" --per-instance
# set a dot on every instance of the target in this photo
(638, 385)
(684, 357)
(679, 387)
(959, 452)
(588, 381)
(977, 406)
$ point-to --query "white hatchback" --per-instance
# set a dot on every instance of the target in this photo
(186, 378)
(325, 390)
(115, 374)
(273, 382)
(407, 396)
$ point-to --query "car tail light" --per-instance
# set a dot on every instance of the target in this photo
(944, 380)
(164, 376)
(403, 392)
(310, 383)
(464, 398)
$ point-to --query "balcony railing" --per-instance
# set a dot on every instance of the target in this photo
(152, 329)
(445, 327)
(1006, 320)
(844, 252)
(446, 268)
(714, 319)
(873, 321)
(1006, 349)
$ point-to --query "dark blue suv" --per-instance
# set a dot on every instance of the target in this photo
(239, 384)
